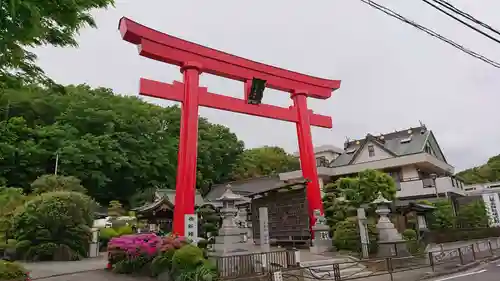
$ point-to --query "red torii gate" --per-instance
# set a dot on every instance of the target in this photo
(194, 59)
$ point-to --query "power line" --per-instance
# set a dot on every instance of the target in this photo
(461, 21)
(430, 32)
(450, 7)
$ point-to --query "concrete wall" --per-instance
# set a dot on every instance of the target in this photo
(364, 155)
(421, 188)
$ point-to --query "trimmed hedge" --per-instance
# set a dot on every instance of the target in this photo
(462, 234)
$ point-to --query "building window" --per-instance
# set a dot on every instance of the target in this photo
(371, 150)
(321, 162)
(429, 149)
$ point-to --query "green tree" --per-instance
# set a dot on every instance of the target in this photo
(117, 146)
(366, 187)
(32, 23)
(443, 217)
(343, 197)
(263, 161)
(473, 215)
(335, 210)
(115, 209)
(10, 199)
(489, 172)
(209, 221)
(49, 183)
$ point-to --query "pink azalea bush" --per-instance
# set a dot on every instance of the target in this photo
(134, 253)
(131, 253)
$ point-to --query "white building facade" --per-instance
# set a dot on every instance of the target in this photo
(412, 157)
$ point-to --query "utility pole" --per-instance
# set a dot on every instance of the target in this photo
(57, 163)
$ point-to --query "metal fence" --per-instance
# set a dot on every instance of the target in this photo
(255, 264)
(284, 265)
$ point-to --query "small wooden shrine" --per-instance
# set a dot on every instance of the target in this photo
(287, 214)
(159, 213)
(411, 215)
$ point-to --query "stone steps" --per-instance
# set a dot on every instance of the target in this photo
(349, 267)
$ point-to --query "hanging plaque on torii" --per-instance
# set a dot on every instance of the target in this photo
(193, 60)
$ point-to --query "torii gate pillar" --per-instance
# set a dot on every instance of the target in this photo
(195, 59)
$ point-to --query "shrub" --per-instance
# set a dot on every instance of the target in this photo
(105, 235)
(187, 258)
(347, 237)
(163, 262)
(203, 272)
(12, 271)
(125, 230)
(133, 253)
(462, 234)
(409, 234)
(50, 183)
(54, 226)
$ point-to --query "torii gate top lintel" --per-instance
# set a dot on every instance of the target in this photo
(195, 59)
(163, 47)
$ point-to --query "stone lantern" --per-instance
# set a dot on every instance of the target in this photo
(230, 238)
(322, 241)
(391, 243)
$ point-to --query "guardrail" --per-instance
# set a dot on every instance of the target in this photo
(285, 265)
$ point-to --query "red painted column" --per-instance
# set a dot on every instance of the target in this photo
(307, 159)
(188, 147)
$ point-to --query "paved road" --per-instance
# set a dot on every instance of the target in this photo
(489, 272)
(99, 275)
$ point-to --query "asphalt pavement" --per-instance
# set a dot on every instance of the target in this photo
(488, 272)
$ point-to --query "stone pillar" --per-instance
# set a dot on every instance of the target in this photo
(363, 233)
(264, 229)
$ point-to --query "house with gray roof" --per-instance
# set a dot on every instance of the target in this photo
(412, 157)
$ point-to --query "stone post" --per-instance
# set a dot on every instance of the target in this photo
(264, 229)
(363, 233)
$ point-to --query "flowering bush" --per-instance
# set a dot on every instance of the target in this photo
(154, 255)
(132, 253)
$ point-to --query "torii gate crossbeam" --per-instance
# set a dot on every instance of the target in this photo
(195, 59)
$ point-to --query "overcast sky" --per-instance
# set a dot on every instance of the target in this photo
(392, 74)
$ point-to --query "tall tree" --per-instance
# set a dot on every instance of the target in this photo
(32, 23)
(263, 161)
(115, 145)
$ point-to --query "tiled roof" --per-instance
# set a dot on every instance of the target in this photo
(170, 195)
(245, 187)
(391, 142)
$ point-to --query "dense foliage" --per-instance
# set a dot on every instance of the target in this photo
(10, 199)
(263, 161)
(343, 197)
(31, 23)
(473, 215)
(489, 172)
(468, 216)
(49, 183)
(115, 145)
(12, 271)
(53, 226)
